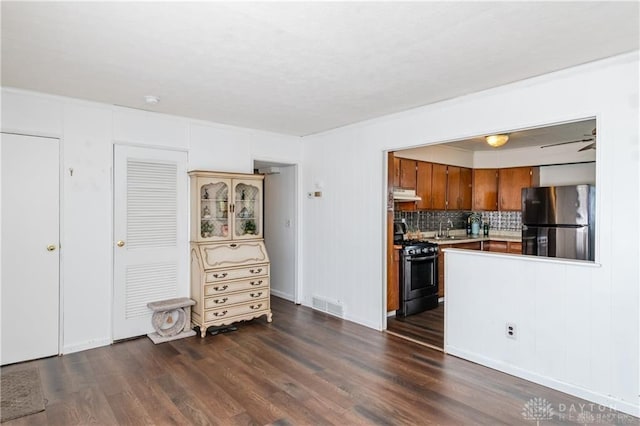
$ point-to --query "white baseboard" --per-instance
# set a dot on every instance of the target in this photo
(90, 344)
(580, 392)
(282, 294)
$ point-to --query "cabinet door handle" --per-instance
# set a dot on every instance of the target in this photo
(220, 314)
(222, 275)
(233, 245)
(219, 301)
(256, 307)
(224, 287)
(256, 294)
(255, 271)
(256, 282)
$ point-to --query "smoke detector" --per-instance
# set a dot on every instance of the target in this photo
(151, 100)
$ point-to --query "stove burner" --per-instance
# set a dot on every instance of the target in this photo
(418, 246)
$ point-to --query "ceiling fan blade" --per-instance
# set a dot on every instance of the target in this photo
(590, 146)
(567, 142)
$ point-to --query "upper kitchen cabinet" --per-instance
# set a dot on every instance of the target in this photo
(439, 187)
(458, 188)
(466, 188)
(485, 189)
(396, 172)
(405, 176)
(510, 183)
(226, 207)
(423, 185)
(408, 173)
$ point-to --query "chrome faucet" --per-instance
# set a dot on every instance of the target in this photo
(449, 226)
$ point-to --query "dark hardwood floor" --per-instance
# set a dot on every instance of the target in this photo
(426, 327)
(305, 368)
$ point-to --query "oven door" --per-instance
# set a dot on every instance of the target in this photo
(420, 276)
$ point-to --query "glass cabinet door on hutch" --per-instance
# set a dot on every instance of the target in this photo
(213, 209)
(247, 209)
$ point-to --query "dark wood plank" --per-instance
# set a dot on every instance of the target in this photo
(304, 368)
(426, 327)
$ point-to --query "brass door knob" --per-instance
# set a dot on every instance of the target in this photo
(51, 247)
(120, 243)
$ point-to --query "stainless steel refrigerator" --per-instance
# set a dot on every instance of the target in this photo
(559, 221)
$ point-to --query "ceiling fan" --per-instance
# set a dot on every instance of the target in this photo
(589, 138)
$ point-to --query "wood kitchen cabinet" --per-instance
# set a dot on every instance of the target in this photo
(393, 281)
(439, 187)
(396, 172)
(441, 264)
(404, 173)
(513, 247)
(458, 188)
(424, 185)
(229, 261)
(510, 183)
(485, 189)
(453, 187)
(466, 188)
(408, 173)
(405, 176)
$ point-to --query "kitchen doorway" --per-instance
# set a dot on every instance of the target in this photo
(437, 189)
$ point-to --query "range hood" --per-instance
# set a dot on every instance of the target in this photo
(400, 194)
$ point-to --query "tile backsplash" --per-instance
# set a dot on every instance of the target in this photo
(430, 220)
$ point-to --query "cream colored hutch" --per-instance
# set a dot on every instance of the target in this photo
(229, 261)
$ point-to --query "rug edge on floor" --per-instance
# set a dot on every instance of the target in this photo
(35, 398)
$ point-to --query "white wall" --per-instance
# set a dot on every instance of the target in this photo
(439, 154)
(344, 231)
(568, 174)
(279, 230)
(88, 131)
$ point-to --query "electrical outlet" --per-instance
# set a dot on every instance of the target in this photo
(511, 331)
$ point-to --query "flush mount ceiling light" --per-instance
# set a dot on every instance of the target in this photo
(151, 100)
(496, 140)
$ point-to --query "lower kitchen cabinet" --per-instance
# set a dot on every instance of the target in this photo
(514, 247)
(393, 283)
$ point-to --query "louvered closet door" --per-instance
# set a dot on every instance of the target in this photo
(150, 234)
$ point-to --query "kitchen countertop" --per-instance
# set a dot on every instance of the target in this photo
(461, 237)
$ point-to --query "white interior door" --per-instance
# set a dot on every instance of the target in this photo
(30, 247)
(150, 234)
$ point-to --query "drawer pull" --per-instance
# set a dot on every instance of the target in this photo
(219, 301)
(233, 245)
(220, 314)
(255, 271)
(224, 274)
(255, 307)
(223, 288)
(256, 294)
(259, 282)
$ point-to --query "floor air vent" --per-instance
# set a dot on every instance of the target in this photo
(328, 306)
(319, 304)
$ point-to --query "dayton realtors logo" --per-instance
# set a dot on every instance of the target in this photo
(537, 409)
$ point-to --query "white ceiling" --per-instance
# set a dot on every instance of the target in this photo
(579, 132)
(299, 67)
